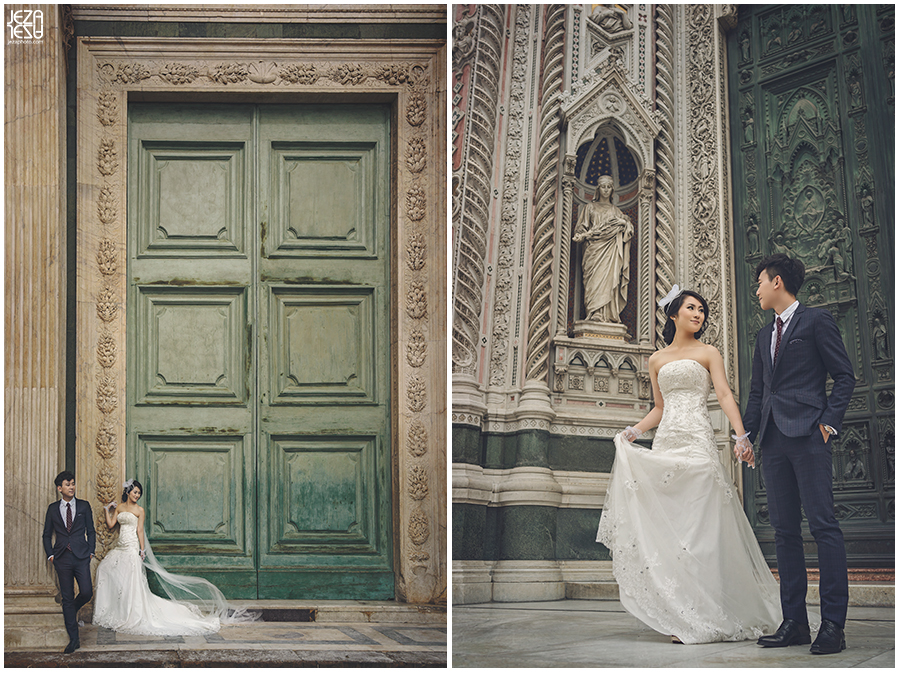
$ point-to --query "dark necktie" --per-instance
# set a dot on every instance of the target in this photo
(69, 522)
(779, 323)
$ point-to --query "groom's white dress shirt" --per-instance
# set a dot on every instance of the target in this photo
(785, 316)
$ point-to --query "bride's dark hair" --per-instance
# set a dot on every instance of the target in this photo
(672, 310)
(135, 484)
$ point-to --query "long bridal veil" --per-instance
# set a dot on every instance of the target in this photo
(197, 594)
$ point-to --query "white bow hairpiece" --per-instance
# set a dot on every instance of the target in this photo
(127, 484)
(669, 298)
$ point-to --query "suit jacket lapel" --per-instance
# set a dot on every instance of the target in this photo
(786, 335)
(766, 347)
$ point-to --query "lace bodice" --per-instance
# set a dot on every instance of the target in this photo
(685, 424)
(128, 537)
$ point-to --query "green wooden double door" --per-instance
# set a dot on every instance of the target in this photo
(258, 344)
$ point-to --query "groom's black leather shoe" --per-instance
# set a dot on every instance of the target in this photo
(72, 646)
(789, 633)
(830, 639)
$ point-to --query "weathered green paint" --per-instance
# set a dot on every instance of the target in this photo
(258, 373)
(812, 109)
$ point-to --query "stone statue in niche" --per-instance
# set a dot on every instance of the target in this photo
(606, 232)
(855, 468)
(880, 339)
(611, 18)
(832, 251)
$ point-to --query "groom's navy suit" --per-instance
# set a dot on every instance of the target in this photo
(71, 557)
(786, 405)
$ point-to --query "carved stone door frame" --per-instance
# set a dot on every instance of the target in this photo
(409, 75)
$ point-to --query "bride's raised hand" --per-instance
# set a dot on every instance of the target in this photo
(110, 505)
(630, 434)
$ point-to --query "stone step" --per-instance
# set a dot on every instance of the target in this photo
(862, 594)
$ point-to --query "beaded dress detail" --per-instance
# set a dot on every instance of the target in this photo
(684, 555)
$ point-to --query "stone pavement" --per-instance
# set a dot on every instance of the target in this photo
(338, 637)
(600, 633)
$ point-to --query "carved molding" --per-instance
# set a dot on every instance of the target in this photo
(109, 69)
(504, 275)
(665, 161)
(545, 198)
(474, 192)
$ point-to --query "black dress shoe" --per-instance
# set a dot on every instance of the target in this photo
(789, 633)
(830, 639)
(72, 646)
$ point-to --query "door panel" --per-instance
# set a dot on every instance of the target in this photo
(258, 380)
(324, 414)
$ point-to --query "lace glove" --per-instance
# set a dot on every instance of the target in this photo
(143, 555)
(743, 449)
(630, 434)
(110, 504)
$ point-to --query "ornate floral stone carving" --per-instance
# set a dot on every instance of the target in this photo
(299, 73)
(107, 398)
(415, 393)
(107, 205)
(108, 108)
(229, 73)
(179, 73)
(107, 308)
(415, 203)
(107, 441)
(107, 157)
(349, 73)
(415, 251)
(415, 154)
(417, 439)
(416, 108)
(417, 483)
(415, 348)
(418, 527)
(106, 351)
(416, 300)
(393, 73)
(106, 257)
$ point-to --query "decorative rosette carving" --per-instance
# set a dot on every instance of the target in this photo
(131, 73)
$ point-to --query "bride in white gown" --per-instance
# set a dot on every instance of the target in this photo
(123, 601)
(684, 555)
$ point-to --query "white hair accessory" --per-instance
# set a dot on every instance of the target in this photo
(669, 298)
(127, 484)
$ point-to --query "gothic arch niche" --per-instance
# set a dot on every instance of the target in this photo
(607, 153)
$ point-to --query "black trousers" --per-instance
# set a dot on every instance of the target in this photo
(70, 570)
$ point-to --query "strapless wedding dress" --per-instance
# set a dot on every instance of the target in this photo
(684, 555)
(123, 601)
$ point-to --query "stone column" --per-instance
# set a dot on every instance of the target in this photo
(34, 435)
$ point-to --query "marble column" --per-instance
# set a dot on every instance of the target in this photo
(34, 433)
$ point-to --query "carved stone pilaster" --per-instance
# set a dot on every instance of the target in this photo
(538, 346)
(35, 294)
(475, 191)
(665, 162)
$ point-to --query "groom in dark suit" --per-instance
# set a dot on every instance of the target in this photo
(794, 419)
(72, 521)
